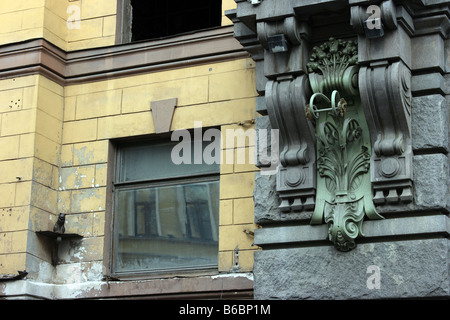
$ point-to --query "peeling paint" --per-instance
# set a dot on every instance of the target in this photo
(247, 275)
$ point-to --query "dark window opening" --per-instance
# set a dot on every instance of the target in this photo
(157, 19)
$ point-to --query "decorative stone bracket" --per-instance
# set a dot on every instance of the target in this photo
(369, 131)
(344, 192)
(385, 87)
(286, 94)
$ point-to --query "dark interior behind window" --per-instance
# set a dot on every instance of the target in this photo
(153, 19)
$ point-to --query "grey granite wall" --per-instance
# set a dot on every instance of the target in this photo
(406, 255)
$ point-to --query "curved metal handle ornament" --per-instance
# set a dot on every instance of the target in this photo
(338, 104)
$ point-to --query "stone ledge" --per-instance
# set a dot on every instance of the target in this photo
(434, 225)
(221, 285)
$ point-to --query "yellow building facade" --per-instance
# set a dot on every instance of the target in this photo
(71, 92)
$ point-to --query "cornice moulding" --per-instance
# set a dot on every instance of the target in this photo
(38, 56)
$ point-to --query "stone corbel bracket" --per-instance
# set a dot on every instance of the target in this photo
(385, 89)
(286, 92)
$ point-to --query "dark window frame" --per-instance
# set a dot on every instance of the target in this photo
(111, 238)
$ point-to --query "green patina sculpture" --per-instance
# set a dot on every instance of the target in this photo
(344, 191)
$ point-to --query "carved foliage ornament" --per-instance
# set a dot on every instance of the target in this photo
(344, 191)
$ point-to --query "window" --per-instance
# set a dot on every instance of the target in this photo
(152, 19)
(166, 216)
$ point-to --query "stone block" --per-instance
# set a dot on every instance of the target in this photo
(98, 224)
(18, 122)
(15, 218)
(48, 126)
(234, 236)
(101, 175)
(232, 85)
(13, 242)
(22, 194)
(20, 5)
(429, 124)
(261, 105)
(426, 83)
(225, 261)
(11, 100)
(243, 211)
(77, 177)
(237, 135)
(16, 170)
(66, 155)
(226, 212)
(9, 147)
(64, 201)
(45, 173)
(84, 250)
(33, 18)
(41, 220)
(97, 8)
(109, 26)
(80, 224)
(384, 270)
(125, 125)
(89, 29)
(46, 149)
(90, 152)
(10, 263)
(43, 197)
(7, 190)
(395, 44)
(239, 185)
(214, 114)
(98, 104)
(27, 143)
(51, 102)
(431, 181)
(80, 131)
(88, 200)
(427, 52)
(266, 199)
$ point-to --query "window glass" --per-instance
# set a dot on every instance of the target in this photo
(166, 215)
(154, 161)
(172, 227)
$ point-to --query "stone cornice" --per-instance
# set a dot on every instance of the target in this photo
(38, 56)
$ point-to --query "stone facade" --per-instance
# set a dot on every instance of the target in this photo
(403, 86)
(70, 89)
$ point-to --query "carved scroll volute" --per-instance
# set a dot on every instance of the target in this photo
(286, 92)
(286, 105)
(386, 95)
(385, 88)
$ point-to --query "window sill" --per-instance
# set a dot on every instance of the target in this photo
(153, 275)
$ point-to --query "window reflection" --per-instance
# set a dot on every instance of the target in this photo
(168, 227)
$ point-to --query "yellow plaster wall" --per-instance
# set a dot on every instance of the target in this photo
(54, 140)
(218, 94)
(56, 21)
(30, 139)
